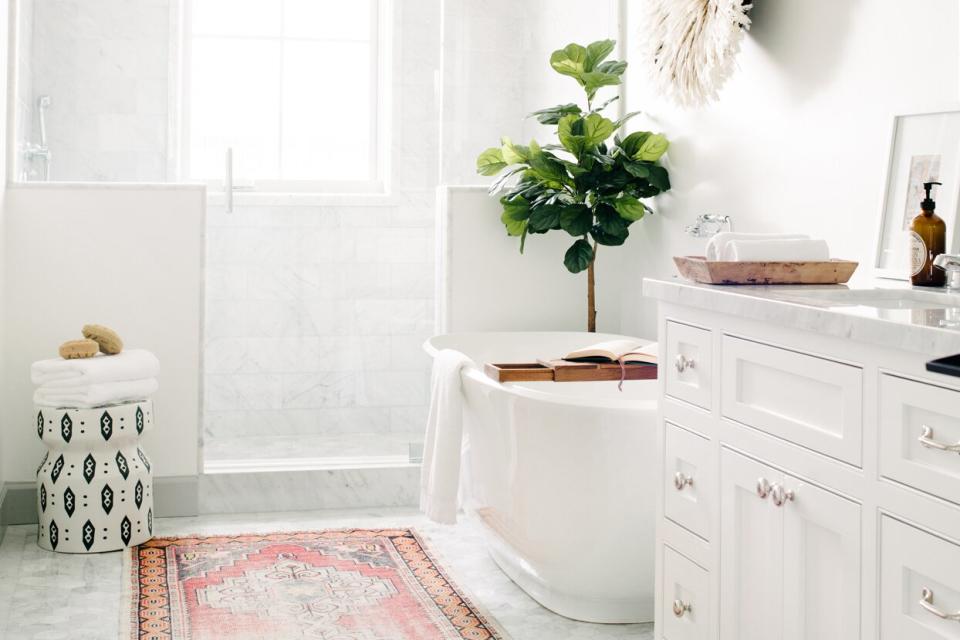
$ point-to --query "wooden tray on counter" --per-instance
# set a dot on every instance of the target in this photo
(563, 371)
(699, 269)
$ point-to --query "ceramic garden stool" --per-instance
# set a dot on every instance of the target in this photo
(94, 486)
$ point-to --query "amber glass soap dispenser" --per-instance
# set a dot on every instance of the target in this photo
(928, 239)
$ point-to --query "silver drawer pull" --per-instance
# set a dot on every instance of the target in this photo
(781, 496)
(680, 607)
(926, 601)
(683, 363)
(681, 480)
(926, 439)
(763, 488)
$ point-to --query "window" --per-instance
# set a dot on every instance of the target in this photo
(292, 86)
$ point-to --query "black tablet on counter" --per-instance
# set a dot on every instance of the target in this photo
(949, 365)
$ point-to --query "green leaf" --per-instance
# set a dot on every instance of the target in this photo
(578, 257)
(597, 52)
(606, 104)
(491, 162)
(631, 144)
(616, 67)
(610, 222)
(515, 215)
(629, 208)
(596, 129)
(650, 150)
(582, 134)
(547, 168)
(513, 153)
(604, 238)
(659, 178)
(570, 61)
(593, 80)
(576, 220)
(622, 121)
(545, 218)
(638, 169)
(552, 115)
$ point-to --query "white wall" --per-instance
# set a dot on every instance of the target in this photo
(130, 258)
(798, 140)
(4, 83)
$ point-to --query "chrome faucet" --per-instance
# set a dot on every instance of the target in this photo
(951, 264)
(709, 225)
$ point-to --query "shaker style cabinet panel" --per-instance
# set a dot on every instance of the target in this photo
(688, 364)
(789, 556)
(688, 482)
(686, 601)
(920, 436)
(751, 567)
(919, 584)
(810, 401)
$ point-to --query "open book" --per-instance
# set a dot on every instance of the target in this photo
(625, 351)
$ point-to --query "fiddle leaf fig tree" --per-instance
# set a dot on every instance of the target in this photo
(585, 184)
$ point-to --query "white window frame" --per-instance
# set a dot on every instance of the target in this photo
(292, 191)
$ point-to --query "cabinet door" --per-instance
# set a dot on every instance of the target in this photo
(821, 563)
(751, 561)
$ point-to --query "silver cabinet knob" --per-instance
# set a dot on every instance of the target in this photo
(763, 488)
(682, 363)
(780, 496)
(680, 607)
(680, 480)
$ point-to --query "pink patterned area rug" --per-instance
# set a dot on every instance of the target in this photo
(353, 584)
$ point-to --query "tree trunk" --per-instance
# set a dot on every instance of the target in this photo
(591, 296)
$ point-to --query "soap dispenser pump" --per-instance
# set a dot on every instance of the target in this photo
(928, 239)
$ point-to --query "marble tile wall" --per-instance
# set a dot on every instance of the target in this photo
(105, 65)
(315, 315)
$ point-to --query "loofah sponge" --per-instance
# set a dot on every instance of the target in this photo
(72, 349)
(108, 340)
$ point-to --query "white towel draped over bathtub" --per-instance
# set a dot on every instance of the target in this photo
(442, 446)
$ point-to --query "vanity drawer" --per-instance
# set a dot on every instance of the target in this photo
(686, 598)
(688, 364)
(810, 401)
(919, 436)
(687, 480)
(918, 580)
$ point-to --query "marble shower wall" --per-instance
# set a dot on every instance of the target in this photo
(106, 67)
(315, 315)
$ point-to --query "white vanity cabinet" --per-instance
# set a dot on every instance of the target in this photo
(810, 471)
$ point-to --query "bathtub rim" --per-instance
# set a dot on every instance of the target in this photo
(538, 391)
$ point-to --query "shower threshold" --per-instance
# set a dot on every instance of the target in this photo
(247, 454)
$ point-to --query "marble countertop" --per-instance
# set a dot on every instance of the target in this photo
(883, 312)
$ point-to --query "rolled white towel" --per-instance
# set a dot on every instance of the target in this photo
(716, 247)
(132, 364)
(95, 395)
(809, 250)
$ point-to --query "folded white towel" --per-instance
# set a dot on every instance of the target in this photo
(717, 246)
(443, 444)
(95, 395)
(778, 250)
(132, 364)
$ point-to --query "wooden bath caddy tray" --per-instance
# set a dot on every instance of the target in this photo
(699, 269)
(563, 371)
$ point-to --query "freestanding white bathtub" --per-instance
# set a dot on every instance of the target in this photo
(563, 477)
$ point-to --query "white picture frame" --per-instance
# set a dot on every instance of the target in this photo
(920, 142)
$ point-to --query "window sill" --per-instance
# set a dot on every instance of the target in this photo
(267, 199)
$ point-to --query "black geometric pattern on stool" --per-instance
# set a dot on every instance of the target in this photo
(122, 465)
(106, 498)
(66, 427)
(43, 498)
(106, 425)
(69, 502)
(54, 534)
(150, 521)
(125, 530)
(143, 459)
(40, 424)
(139, 420)
(57, 468)
(138, 494)
(89, 468)
(89, 534)
(43, 462)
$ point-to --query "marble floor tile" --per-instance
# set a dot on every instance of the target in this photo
(46, 596)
